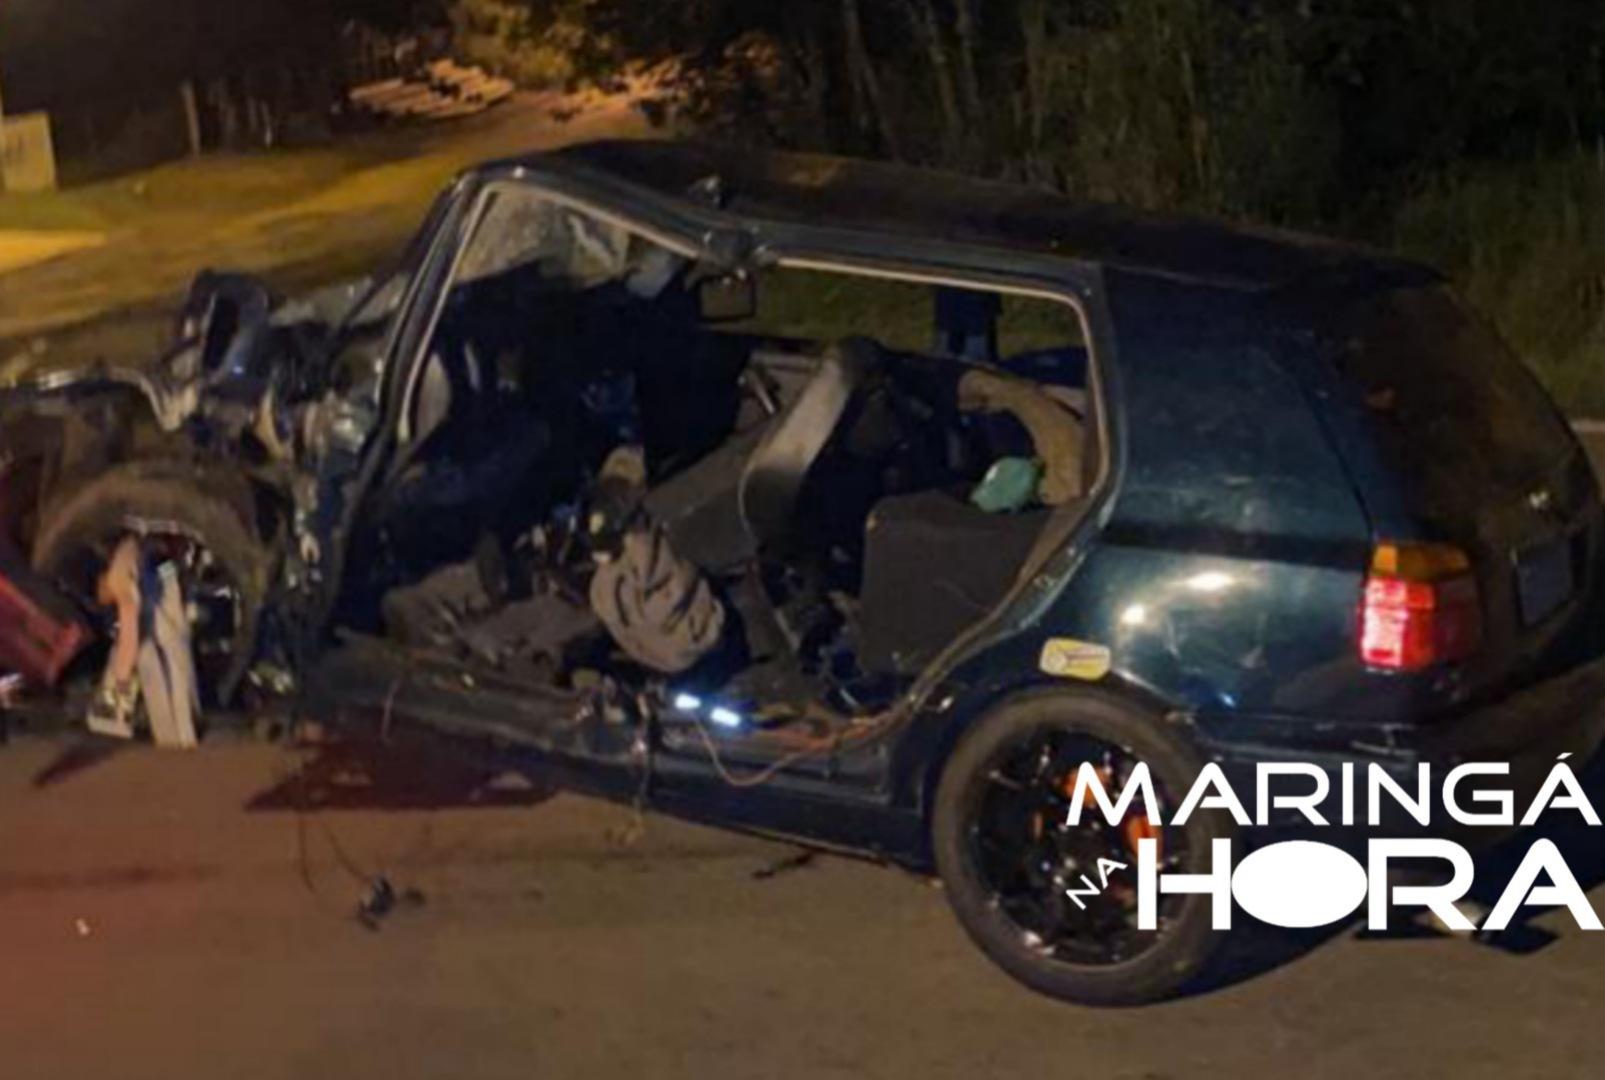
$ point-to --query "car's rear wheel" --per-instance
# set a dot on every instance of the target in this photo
(1010, 862)
(185, 515)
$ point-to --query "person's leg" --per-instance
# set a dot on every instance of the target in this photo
(112, 711)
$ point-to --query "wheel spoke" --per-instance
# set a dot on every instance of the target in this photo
(1028, 855)
(998, 777)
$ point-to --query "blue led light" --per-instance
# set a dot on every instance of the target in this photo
(687, 702)
(724, 717)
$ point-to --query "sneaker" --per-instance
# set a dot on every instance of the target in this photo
(112, 710)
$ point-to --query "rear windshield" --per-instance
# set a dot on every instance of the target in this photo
(1455, 413)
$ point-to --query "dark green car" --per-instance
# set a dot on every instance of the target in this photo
(861, 505)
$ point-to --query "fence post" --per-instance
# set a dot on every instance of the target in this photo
(192, 116)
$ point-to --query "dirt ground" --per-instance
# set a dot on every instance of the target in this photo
(171, 915)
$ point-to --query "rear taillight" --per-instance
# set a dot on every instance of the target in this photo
(1420, 607)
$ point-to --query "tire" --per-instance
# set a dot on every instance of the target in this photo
(1169, 960)
(211, 506)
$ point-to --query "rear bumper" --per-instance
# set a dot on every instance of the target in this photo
(1529, 731)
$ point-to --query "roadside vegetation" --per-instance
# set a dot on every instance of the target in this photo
(300, 218)
(1467, 132)
(214, 185)
(1526, 242)
(539, 46)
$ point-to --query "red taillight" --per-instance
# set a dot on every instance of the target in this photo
(1420, 607)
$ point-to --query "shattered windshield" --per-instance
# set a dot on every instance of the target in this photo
(520, 231)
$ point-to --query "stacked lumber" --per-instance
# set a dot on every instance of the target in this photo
(440, 91)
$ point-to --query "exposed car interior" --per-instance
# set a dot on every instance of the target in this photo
(616, 462)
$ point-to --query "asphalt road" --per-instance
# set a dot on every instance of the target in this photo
(185, 915)
(188, 915)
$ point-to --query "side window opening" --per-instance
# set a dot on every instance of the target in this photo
(840, 483)
(1037, 339)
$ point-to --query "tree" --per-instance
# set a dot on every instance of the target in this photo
(1297, 111)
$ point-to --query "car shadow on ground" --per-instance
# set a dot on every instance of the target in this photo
(367, 774)
(1255, 948)
(351, 773)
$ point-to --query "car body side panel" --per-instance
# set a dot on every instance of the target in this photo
(1223, 573)
(1511, 653)
(1224, 451)
(1188, 636)
(1229, 573)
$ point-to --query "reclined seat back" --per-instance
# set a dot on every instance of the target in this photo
(775, 473)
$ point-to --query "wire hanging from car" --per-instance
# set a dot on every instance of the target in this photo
(378, 897)
(808, 748)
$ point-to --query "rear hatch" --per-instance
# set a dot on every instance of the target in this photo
(1451, 440)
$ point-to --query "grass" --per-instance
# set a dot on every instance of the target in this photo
(297, 217)
(1526, 244)
(49, 212)
(209, 185)
(817, 305)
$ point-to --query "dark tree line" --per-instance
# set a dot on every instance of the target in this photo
(1471, 132)
(1294, 110)
(1300, 110)
(1468, 132)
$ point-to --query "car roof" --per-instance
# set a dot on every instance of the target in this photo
(774, 187)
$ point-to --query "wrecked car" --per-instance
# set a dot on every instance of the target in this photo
(852, 504)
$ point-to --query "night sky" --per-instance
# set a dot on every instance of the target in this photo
(55, 53)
